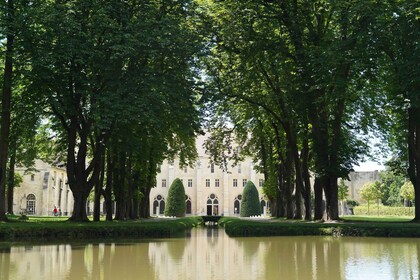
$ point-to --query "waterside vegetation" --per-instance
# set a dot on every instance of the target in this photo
(59, 229)
(380, 227)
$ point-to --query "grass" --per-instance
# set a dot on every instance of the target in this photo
(382, 219)
(350, 226)
(52, 228)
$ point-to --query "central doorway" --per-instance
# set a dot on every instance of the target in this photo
(212, 205)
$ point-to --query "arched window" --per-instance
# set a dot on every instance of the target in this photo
(188, 206)
(237, 205)
(265, 204)
(30, 204)
(212, 205)
(158, 205)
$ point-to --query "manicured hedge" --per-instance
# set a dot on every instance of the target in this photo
(250, 205)
(175, 205)
(383, 210)
(235, 227)
(94, 230)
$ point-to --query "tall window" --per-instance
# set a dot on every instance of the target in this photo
(217, 183)
(30, 204)
(163, 183)
(190, 183)
(188, 206)
(32, 177)
(185, 169)
(239, 168)
(208, 183)
(260, 183)
(244, 182)
(159, 205)
(235, 183)
(212, 205)
(212, 168)
(237, 205)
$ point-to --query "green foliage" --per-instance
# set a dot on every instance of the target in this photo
(250, 205)
(175, 204)
(407, 191)
(235, 227)
(383, 210)
(49, 229)
(371, 191)
(352, 203)
(343, 190)
(391, 182)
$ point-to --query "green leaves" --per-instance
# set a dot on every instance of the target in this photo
(175, 205)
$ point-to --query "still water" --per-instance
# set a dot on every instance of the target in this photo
(211, 254)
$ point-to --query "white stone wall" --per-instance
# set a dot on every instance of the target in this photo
(357, 180)
(48, 185)
(199, 192)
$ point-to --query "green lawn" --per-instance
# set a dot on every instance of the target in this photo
(383, 219)
(49, 228)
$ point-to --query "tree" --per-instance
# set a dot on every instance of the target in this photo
(398, 36)
(175, 205)
(391, 183)
(286, 59)
(343, 193)
(6, 101)
(250, 205)
(371, 191)
(407, 191)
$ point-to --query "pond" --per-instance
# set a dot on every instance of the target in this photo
(208, 253)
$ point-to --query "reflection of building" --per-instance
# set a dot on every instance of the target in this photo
(209, 190)
(43, 189)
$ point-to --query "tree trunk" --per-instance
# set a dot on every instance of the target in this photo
(98, 192)
(306, 179)
(5, 107)
(108, 187)
(11, 183)
(79, 210)
(332, 199)
(318, 211)
(414, 156)
(119, 188)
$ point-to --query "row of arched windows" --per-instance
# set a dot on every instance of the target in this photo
(212, 207)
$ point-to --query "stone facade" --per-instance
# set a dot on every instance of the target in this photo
(209, 190)
(42, 190)
(357, 180)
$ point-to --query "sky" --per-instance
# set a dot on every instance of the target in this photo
(369, 166)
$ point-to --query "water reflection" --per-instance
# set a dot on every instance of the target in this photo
(211, 254)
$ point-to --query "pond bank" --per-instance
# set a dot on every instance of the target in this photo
(236, 227)
(51, 230)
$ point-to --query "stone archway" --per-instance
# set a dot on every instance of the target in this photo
(158, 205)
(212, 205)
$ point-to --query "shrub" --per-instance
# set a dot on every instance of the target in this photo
(384, 210)
(250, 201)
(175, 205)
(352, 203)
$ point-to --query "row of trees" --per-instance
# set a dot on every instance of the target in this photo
(304, 83)
(299, 83)
(390, 190)
(113, 86)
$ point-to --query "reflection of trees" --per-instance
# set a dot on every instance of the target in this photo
(4, 263)
(176, 248)
(303, 258)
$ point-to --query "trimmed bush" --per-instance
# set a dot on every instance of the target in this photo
(175, 205)
(250, 201)
(383, 210)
